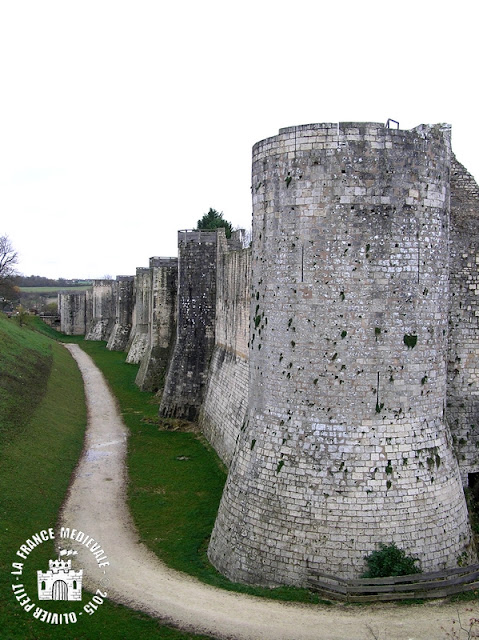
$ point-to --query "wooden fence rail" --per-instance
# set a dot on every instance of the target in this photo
(438, 584)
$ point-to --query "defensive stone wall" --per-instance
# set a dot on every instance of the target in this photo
(103, 294)
(345, 445)
(463, 370)
(188, 370)
(72, 308)
(334, 366)
(161, 324)
(138, 342)
(223, 411)
(123, 303)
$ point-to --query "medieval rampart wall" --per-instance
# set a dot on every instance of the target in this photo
(223, 411)
(161, 324)
(333, 409)
(103, 314)
(463, 370)
(188, 370)
(123, 304)
(72, 308)
(138, 342)
(345, 444)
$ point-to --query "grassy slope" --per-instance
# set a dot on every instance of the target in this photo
(25, 364)
(33, 482)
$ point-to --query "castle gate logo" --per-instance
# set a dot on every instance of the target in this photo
(60, 582)
(64, 578)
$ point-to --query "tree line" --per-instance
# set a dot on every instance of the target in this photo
(41, 281)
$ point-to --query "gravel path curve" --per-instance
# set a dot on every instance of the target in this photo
(97, 505)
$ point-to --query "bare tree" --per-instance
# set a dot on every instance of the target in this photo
(8, 258)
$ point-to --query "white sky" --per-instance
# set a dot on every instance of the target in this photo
(122, 122)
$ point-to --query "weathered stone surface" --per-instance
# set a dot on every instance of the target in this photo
(161, 324)
(102, 310)
(463, 369)
(223, 411)
(345, 444)
(188, 370)
(72, 308)
(123, 303)
(138, 342)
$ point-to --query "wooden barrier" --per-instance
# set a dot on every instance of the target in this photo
(438, 584)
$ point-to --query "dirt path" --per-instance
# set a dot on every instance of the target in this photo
(96, 505)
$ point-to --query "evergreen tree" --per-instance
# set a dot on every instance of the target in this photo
(214, 220)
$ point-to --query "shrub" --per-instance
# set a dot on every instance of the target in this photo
(388, 560)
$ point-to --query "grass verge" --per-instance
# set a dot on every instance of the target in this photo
(25, 364)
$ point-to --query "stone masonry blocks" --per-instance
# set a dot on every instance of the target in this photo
(138, 342)
(161, 324)
(188, 370)
(224, 408)
(463, 366)
(103, 312)
(123, 304)
(72, 308)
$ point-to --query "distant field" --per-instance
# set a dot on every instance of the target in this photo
(80, 287)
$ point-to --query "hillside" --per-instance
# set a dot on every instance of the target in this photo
(25, 364)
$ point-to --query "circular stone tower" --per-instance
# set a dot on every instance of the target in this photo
(345, 445)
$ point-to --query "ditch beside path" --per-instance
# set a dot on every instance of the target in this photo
(96, 505)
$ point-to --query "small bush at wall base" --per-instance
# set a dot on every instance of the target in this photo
(388, 560)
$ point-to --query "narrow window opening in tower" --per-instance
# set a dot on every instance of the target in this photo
(302, 263)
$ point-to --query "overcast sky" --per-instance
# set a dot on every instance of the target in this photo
(122, 122)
